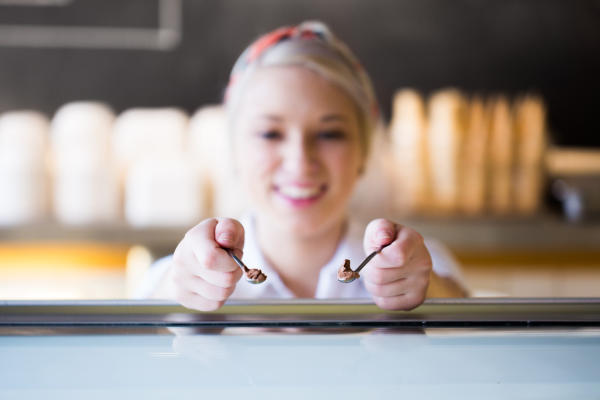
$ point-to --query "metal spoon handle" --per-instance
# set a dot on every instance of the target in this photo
(369, 257)
(237, 260)
(366, 260)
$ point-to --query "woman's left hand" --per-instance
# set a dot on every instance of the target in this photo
(397, 278)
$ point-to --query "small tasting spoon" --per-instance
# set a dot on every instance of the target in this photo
(253, 275)
(353, 275)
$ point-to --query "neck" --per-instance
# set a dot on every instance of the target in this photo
(298, 259)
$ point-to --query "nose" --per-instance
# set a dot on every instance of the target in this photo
(300, 156)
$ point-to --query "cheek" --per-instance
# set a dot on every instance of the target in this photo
(255, 164)
(344, 165)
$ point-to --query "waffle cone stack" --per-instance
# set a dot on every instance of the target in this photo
(407, 133)
(474, 162)
(530, 129)
(501, 156)
(465, 156)
(446, 132)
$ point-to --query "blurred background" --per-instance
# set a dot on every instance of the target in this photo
(112, 139)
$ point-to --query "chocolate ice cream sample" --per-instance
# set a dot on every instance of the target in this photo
(255, 275)
(345, 273)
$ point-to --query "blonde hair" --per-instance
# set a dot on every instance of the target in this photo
(313, 46)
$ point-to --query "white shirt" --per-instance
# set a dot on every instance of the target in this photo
(327, 287)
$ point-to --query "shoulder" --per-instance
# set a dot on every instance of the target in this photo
(444, 262)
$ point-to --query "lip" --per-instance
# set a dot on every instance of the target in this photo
(300, 203)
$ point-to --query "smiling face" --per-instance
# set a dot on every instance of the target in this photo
(297, 149)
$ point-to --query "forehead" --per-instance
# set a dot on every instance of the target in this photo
(293, 91)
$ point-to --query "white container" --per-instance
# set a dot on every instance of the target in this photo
(23, 138)
(81, 134)
(86, 195)
(162, 191)
(148, 132)
(86, 189)
(23, 196)
(212, 155)
(23, 172)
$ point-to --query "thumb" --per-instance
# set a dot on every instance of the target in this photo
(229, 233)
(379, 232)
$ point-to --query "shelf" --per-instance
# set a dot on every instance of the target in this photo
(544, 233)
(536, 234)
(160, 239)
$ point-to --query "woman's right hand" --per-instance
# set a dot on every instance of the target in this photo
(203, 274)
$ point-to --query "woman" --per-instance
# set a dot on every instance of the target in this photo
(301, 114)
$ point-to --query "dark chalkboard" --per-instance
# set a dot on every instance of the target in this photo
(551, 47)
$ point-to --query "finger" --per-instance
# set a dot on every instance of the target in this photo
(420, 264)
(380, 273)
(403, 302)
(195, 240)
(382, 276)
(222, 279)
(199, 251)
(379, 232)
(401, 251)
(201, 287)
(196, 258)
(229, 233)
(196, 302)
(404, 294)
(415, 282)
(396, 288)
(217, 278)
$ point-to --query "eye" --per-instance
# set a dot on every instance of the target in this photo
(333, 134)
(271, 135)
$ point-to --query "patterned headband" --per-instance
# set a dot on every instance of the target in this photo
(310, 30)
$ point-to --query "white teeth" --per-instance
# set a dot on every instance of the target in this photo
(299, 193)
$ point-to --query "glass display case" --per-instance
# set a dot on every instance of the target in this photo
(463, 349)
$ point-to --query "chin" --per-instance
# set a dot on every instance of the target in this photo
(307, 224)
